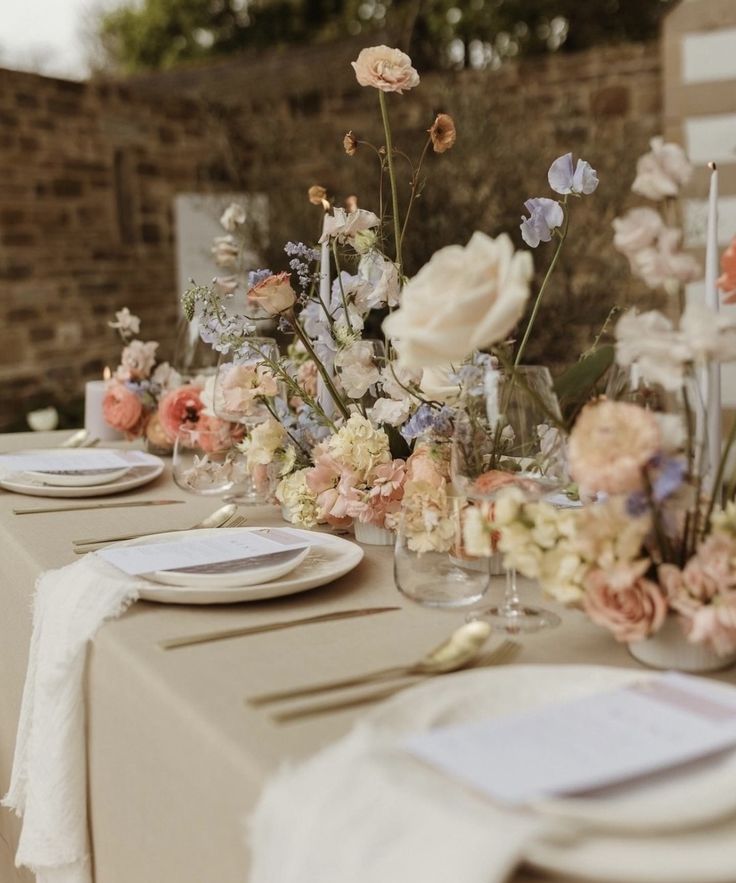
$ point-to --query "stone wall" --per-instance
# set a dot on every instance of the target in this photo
(88, 174)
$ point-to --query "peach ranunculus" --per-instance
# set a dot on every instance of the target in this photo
(243, 386)
(624, 601)
(610, 445)
(122, 409)
(273, 294)
(180, 406)
(464, 299)
(727, 279)
(663, 171)
(387, 69)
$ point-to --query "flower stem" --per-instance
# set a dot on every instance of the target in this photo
(339, 283)
(550, 269)
(324, 373)
(414, 184)
(392, 177)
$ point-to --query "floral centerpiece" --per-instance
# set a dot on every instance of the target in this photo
(146, 399)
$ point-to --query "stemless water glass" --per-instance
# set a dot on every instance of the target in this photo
(237, 406)
(431, 566)
(202, 462)
(509, 435)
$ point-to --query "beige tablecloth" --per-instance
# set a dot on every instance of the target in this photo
(176, 759)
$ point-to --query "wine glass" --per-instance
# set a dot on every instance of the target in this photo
(509, 435)
(231, 405)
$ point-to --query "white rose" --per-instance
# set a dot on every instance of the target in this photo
(465, 298)
(638, 228)
(662, 171)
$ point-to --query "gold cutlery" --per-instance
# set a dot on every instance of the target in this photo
(94, 547)
(459, 650)
(221, 517)
(502, 654)
(37, 510)
(80, 439)
(205, 637)
(218, 518)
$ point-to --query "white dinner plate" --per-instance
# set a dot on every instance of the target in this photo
(143, 468)
(329, 557)
(83, 478)
(677, 827)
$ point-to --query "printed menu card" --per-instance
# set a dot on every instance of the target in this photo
(577, 746)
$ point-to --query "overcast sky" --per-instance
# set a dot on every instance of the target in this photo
(44, 35)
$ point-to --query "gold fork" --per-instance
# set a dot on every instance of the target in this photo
(502, 654)
(81, 548)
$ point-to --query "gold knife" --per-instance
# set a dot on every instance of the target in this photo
(36, 510)
(172, 643)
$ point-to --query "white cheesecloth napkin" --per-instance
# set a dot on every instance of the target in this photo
(48, 786)
(365, 811)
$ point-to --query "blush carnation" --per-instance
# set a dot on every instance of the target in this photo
(610, 445)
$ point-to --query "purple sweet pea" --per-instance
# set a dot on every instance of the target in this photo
(562, 179)
(545, 215)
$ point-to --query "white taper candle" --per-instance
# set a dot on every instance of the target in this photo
(713, 402)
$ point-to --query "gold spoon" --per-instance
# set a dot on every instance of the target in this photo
(457, 651)
(217, 519)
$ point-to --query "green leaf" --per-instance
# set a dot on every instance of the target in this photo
(575, 385)
(397, 443)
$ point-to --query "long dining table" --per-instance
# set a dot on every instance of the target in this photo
(176, 759)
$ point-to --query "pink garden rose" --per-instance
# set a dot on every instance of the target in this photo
(386, 69)
(273, 294)
(704, 593)
(180, 406)
(610, 445)
(122, 409)
(623, 601)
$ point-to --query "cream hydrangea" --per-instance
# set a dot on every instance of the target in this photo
(428, 522)
(298, 502)
(359, 446)
(263, 442)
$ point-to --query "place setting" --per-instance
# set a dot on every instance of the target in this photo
(77, 472)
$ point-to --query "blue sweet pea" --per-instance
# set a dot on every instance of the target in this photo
(583, 179)
(669, 478)
(545, 216)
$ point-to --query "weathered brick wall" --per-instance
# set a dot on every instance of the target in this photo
(87, 178)
(88, 173)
